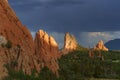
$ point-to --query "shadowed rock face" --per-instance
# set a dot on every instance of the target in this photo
(70, 43)
(100, 46)
(22, 49)
(47, 51)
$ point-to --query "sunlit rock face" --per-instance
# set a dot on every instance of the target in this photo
(22, 45)
(70, 43)
(6, 1)
(47, 51)
(100, 46)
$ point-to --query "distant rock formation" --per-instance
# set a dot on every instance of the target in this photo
(70, 43)
(20, 42)
(100, 46)
(47, 51)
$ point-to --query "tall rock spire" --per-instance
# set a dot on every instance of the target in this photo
(70, 43)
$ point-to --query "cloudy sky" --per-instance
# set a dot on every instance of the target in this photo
(88, 20)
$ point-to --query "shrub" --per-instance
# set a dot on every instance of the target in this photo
(45, 74)
(8, 44)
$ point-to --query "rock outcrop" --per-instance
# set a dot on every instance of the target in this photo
(70, 43)
(100, 46)
(17, 38)
(47, 51)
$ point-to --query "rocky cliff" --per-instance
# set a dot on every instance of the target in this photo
(47, 51)
(100, 46)
(70, 43)
(16, 41)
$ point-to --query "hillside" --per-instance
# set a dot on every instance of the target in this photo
(113, 44)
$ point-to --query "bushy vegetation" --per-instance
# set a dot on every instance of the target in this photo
(45, 74)
(77, 66)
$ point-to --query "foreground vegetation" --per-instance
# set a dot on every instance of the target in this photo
(77, 66)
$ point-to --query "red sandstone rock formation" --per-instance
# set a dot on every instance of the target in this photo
(70, 43)
(47, 51)
(100, 46)
(22, 49)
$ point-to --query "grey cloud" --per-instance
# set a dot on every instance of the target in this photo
(69, 15)
(47, 2)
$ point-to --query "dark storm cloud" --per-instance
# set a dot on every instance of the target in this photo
(47, 2)
(69, 15)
